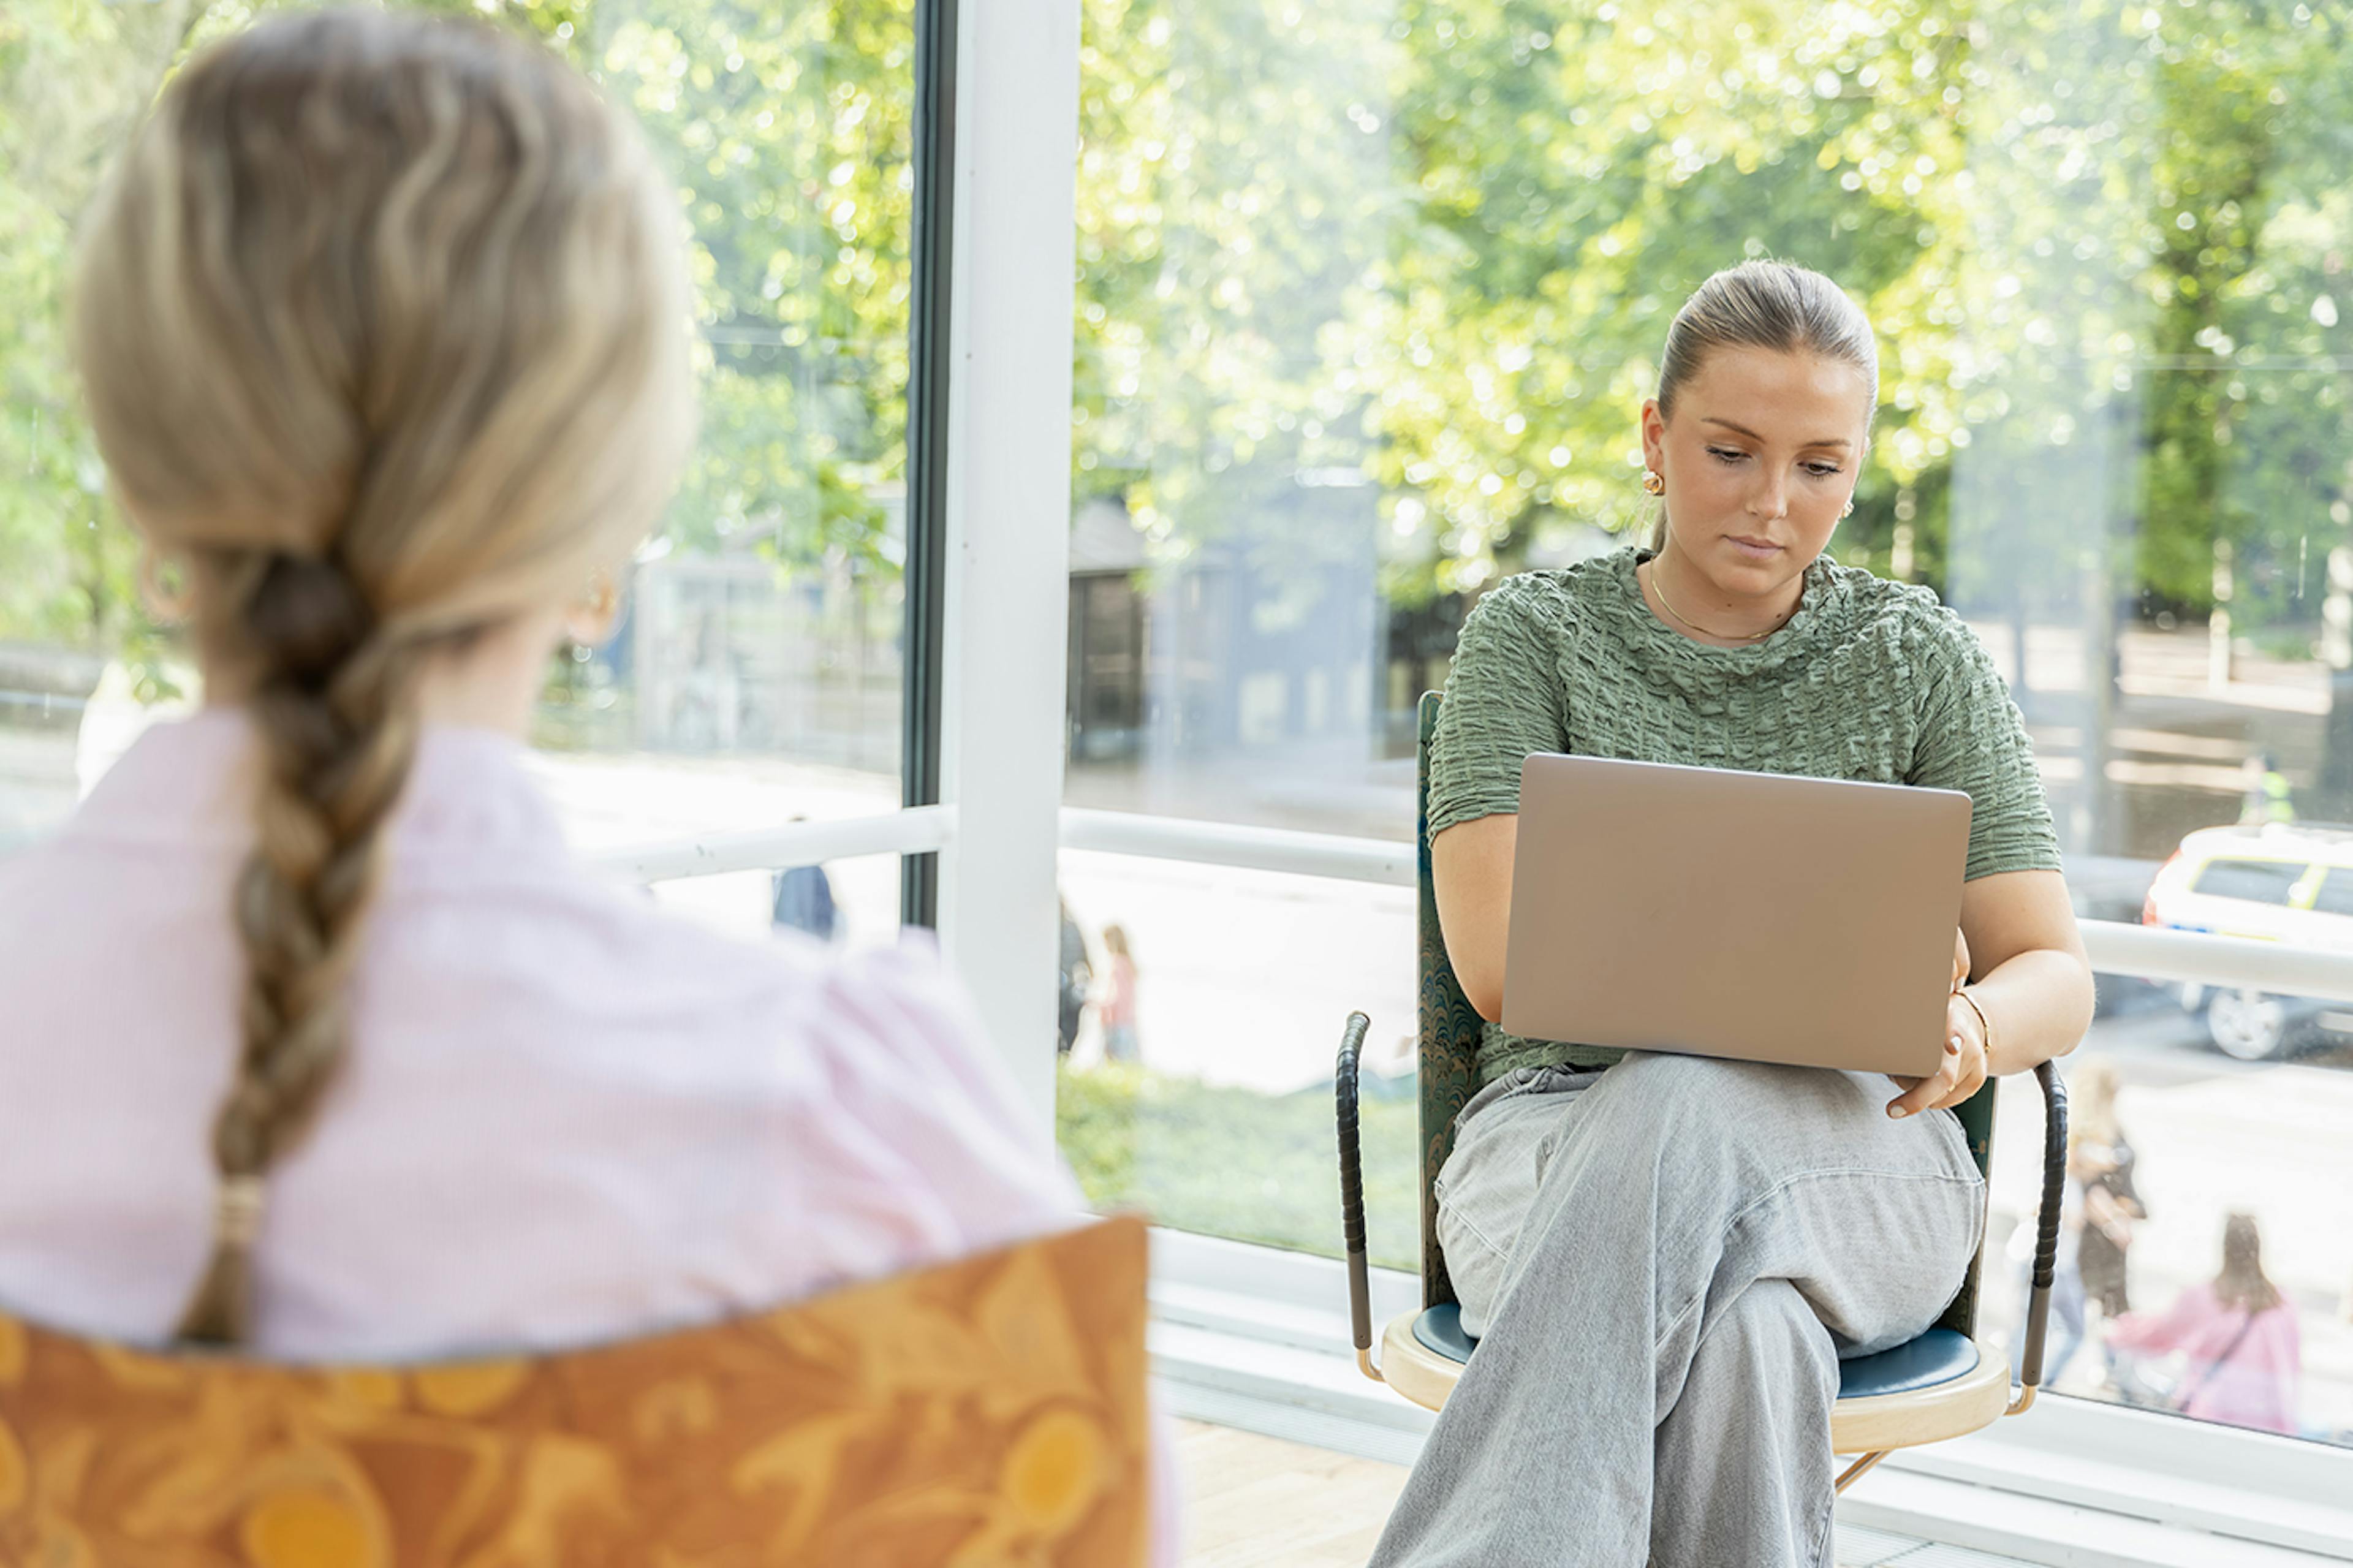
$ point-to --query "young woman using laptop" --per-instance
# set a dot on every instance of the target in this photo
(1666, 1255)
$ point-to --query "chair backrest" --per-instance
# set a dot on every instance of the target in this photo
(1450, 1032)
(1448, 1058)
(987, 1411)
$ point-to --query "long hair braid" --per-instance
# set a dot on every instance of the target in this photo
(336, 736)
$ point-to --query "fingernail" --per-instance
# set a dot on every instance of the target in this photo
(1897, 1111)
(1953, 1047)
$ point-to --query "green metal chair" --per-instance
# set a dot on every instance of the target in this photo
(1945, 1383)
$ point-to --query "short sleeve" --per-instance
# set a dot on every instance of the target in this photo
(1973, 738)
(1505, 700)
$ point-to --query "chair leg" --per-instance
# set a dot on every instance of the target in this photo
(1854, 1472)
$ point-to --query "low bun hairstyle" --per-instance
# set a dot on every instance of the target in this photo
(1763, 305)
(383, 323)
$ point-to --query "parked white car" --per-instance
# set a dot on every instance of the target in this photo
(2273, 882)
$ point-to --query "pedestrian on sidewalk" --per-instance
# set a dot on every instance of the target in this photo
(2269, 798)
(802, 898)
(2101, 1161)
(1077, 974)
(1119, 1004)
(2237, 1335)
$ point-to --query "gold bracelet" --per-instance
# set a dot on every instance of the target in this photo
(1985, 1023)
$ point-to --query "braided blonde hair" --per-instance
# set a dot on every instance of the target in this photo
(382, 320)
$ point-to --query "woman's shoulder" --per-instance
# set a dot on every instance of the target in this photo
(1871, 598)
(1553, 599)
(1911, 615)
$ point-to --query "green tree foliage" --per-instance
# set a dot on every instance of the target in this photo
(788, 130)
(1481, 214)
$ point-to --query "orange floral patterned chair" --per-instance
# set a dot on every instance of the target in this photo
(987, 1412)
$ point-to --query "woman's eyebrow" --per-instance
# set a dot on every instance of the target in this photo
(1840, 442)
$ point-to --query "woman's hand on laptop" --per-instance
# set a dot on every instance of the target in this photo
(1963, 1070)
(1960, 958)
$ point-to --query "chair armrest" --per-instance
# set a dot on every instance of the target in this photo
(1352, 1189)
(2046, 1231)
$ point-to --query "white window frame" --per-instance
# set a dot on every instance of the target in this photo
(1013, 292)
(1013, 250)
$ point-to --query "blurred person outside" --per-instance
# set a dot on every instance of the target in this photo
(2241, 1349)
(1075, 974)
(2101, 1163)
(803, 901)
(1118, 1008)
(2097, 1210)
(2269, 798)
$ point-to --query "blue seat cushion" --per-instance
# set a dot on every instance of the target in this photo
(1938, 1356)
(1441, 1328)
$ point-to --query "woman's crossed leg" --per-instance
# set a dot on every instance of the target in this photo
(1668, 1260)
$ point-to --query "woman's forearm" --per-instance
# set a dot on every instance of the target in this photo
(2039, 1004)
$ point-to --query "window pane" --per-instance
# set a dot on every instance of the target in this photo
(2257, 881)
(755, 672)
(1369, 299)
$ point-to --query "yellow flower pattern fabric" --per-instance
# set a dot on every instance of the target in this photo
(989, 1412)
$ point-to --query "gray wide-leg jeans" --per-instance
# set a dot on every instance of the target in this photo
(1665, 1262)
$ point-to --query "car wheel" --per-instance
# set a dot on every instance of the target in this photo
(2247, 1025)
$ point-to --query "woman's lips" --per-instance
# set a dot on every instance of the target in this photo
(1759, 549)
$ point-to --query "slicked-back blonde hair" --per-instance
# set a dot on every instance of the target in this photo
(382, 325)
(1764, 304)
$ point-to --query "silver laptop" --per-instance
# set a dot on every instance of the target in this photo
(1733, 914)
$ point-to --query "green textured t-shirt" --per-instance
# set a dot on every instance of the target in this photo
(1870, 680)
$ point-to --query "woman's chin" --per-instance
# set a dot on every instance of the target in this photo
(1739, 568)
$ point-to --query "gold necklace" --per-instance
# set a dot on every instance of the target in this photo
(1720, 637)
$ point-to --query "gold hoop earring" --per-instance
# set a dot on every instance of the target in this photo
(604, 597)
(1654, 483)
(590, 620)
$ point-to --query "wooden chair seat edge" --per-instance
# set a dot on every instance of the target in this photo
(1967, 1403)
